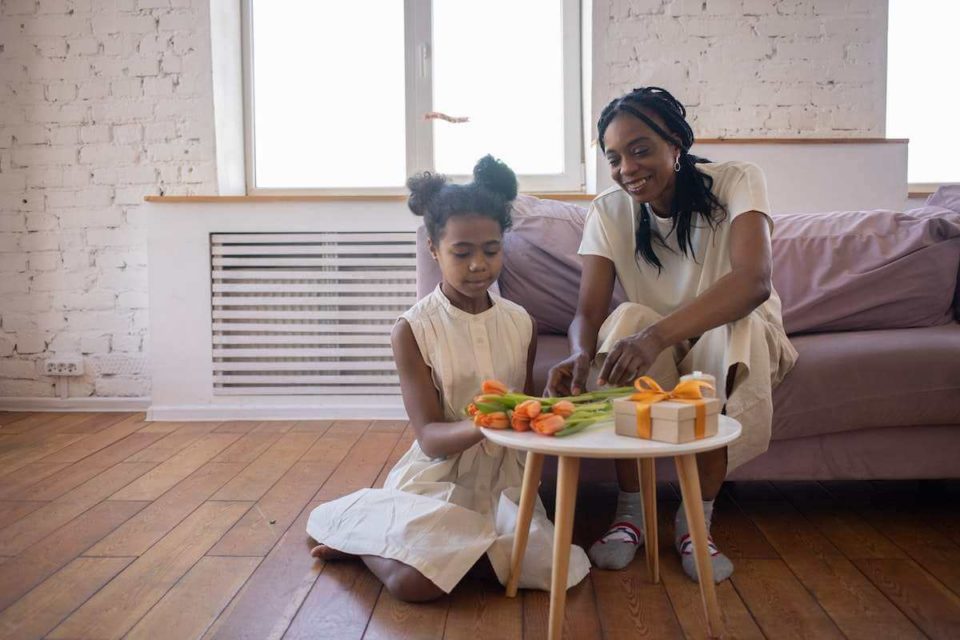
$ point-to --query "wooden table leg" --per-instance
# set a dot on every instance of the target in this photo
(567, 473)
(692, 501)
(648, 486)
(528, 498)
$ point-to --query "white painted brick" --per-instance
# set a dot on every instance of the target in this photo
(109, 238)
(13, 263)
(93, 89)
(87, 300)
(18, 322)
(94, 344)
(59, 281)
(13, 182)
(112, 258)
(110, 321)
(43, 261)
(127, 133)
(130, 279)
(14, 283)
(27, 389)
(69, 135)
(132, 300)
(91, 219)
(123, 111)
(83, 46)
(126, 88)
(104, 175)
(106, 24)
(159, 86)
(9, 242)
(30, 343)
(12, 221)
(55, 47)
(122, 387)
(37, 155)
(18, 369)
(180, 22)
(6, 346)
(41, 222)
(133, 194)
(145, 174)
(19, 7)
(95, 133)
(88, 197)
(127, 343)
(64, 343)
(40, 241)
(53, 25)
(96, 154)
(159, 131)
(54, 6)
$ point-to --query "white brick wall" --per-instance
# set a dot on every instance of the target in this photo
(748, 68)
(101, 103)
(104, 102)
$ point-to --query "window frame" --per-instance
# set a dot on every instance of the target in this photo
(419, 99)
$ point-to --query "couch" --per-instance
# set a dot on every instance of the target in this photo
(871, 302)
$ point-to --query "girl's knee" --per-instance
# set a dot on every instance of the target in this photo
(409, 585)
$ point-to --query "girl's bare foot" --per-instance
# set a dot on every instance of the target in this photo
(324, 552)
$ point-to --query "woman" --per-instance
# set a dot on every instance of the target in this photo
(689, 241)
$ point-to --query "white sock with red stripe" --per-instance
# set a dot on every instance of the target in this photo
(616, 548)
(722, 567)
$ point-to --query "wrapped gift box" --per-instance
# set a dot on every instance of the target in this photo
(669, 420)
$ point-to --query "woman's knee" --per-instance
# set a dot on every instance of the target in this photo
(409, 585)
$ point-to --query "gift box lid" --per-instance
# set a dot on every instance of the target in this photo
(667, 409)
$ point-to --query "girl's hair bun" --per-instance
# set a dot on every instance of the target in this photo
(495, 176)
(424, 187)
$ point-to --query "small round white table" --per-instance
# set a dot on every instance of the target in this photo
(600, 441)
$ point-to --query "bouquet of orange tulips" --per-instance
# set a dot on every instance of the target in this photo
(498, 408)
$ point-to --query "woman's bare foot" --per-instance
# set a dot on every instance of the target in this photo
(324, 552)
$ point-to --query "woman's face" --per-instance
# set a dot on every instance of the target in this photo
(641, 162)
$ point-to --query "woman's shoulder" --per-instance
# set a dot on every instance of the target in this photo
(729, 171)
(612, 203)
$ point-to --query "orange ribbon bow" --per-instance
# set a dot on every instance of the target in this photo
(650, 393)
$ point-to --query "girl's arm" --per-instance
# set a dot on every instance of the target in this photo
(531, 357)
(437, 437)
(596, 290)
(732, 297)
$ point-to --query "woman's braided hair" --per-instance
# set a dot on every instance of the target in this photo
(692, 195)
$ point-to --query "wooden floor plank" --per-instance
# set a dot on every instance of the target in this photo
(248, 448)
(580, 620)
(480, 609)
(142, 531)
(74, 475)
(338, 606)
(396, 620)
(262, 526)
(312, 426)
(930, 605)
(10, 512)
(94, 442)
(54, 515)
(33, 421)
(165, 448)
(32, 617)
(119, 606)
(48, 555)
(166, 475)
(7, 418)
(779, 603)
(629, 605)
(188, 609)
(849, 598)
(257, 478)
(14, 486)
(27, 452)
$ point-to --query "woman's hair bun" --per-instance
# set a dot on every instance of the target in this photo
(495, 176)
(424, 187)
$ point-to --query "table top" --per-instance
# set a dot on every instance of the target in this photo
(601, 441)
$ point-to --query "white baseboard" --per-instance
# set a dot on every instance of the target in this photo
(185, 413)
(75, 404)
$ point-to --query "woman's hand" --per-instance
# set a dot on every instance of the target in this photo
(569, 377)
(631, 357)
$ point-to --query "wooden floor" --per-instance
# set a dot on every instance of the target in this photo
(114, 527)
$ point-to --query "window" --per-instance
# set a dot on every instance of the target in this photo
(356, 96)
(922, 92)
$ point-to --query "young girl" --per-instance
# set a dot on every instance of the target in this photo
(452, 497)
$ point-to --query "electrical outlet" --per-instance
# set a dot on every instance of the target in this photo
(63, 366)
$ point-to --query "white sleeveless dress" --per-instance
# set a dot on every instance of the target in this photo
(441, 515)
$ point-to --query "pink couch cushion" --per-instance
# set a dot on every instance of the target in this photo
(861, 379)
(848, 271)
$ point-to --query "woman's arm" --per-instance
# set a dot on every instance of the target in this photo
(596, 290)
(531, 357)
(437, 437)
(730, 298)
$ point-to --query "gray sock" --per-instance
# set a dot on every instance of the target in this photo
(722, 567)
(616, 548)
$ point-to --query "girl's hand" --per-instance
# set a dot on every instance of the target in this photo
(631, 357)
(569, 377)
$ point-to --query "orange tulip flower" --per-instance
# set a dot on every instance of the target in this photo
(472, 409)
(519, 422)
(529, 409)
(563, 408)
(493, 387)
(547, 423)
(496, 420)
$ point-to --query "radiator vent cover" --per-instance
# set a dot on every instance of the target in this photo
(308, 313)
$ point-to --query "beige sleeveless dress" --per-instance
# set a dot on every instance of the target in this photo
(441, 515)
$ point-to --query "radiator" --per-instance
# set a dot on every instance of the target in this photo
(308, 313)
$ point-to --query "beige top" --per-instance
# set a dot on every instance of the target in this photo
(462, 349)
(610, 232)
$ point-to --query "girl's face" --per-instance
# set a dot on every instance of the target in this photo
(470, 254)
(641, 162)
